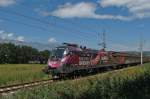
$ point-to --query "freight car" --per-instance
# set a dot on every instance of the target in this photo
(70, 59)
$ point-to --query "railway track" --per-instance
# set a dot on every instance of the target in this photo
(13, 88)
(16, 87)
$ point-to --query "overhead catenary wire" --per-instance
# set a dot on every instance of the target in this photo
(18, 22)
(78, 26)
(34, 26)
(39, 20)
(25, 16)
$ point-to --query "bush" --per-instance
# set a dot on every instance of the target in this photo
(130, 83)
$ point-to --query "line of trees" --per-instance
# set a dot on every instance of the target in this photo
(21, 54)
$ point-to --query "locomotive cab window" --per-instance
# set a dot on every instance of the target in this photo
(57, 53)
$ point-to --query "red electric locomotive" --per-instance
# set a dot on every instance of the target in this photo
(70, 59)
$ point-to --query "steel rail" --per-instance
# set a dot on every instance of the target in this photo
(15, 87)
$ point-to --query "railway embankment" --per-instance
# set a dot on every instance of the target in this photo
(128, 83)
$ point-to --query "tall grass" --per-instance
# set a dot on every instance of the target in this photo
(19, 73)
(130, 83)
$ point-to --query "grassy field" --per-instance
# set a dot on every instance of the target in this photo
(129, 83)
(19, 73)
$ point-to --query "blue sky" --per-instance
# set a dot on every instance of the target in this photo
(77, 21)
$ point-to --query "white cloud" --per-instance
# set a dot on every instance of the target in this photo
(1, 31)
(5, 3)
(5, 35)
(52, 40)
(10, 34)
(82, 10)
(78, 10)
(138, 8)
(20, 38)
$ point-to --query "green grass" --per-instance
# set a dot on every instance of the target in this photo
(129, 83)
(20, 73)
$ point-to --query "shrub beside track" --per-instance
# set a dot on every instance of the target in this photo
(129, 83)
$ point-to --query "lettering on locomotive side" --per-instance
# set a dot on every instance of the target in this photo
(84, 63)
(104, 58)
(84, 60)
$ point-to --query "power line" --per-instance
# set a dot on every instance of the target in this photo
(34, 19)
(33, 26)
(73, 23)
(79, 26)
(29, 25)
(25, 16)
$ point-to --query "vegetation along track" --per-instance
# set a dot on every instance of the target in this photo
(15, 87)
(12, 88)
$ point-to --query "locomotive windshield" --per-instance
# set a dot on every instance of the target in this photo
(58, 53)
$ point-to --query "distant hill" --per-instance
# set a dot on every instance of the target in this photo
(39, 46)
(147, 53)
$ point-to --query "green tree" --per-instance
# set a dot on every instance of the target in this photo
(44, 55)
(11, 53)
(7, 53)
